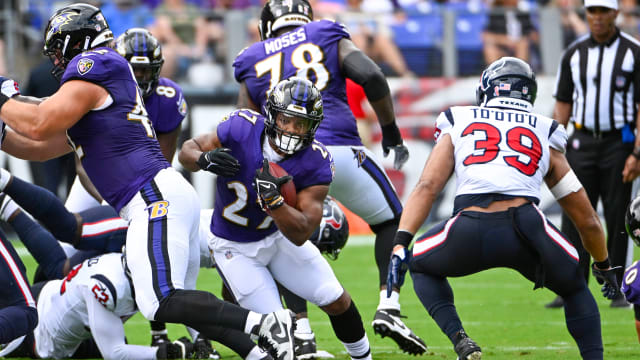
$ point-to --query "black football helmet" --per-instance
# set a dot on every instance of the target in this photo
(277, 14)
(632, 220)
(71, 30)
(332, 234)
(508, 82)
(293, 97)
(144, 53)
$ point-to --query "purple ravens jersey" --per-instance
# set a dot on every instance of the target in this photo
(631, 283)
(166, 106)
(237, 216)
(309, 51)
(116, 143)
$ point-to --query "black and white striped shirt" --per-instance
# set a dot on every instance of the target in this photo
(602, 81)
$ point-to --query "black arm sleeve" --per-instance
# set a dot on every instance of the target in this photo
(364, 72)
(564, 82)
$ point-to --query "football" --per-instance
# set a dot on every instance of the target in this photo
(288, 189)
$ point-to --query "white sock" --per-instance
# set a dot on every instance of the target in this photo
(392, 302)
(7, 208)
(359, 349)
(303, 326)
(253, 319)
(256, 354)
(5, 176)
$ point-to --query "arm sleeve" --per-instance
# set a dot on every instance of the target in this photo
(108, 332)
(564, 82)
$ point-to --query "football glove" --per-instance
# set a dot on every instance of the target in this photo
(392, 140)
(179, 349)
(9, 87)
(608, 280)
(397, 269)
(267, 187)
(219, 161)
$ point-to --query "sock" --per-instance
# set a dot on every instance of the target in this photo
(5, 176)
(8, 207)
(158, 328)
(348, 325)
(437, 297)
(253, 320)
(303, 326)
(385, 233)
(392, 302)
(102, 229)
(583, 323)
(44, 206)
(16, 321)
(256, 354)
(359, 350)
(41, 244)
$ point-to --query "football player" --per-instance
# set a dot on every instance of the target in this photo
(631, 281)
(163, 100)
(99, 111)
(257, 238)
(18, 314)
(321, 51)
(501, 152)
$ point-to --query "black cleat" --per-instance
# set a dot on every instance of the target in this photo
(156, 340)
(275, 334)
(305, 346)
(202, 349)
(556, 303)
(388, 323)
(466, 348)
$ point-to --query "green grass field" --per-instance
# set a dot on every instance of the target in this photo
(499, 310)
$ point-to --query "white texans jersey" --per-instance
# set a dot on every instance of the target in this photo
(63, 310)
(500, 151)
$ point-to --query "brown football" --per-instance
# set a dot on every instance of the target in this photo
(288, 189)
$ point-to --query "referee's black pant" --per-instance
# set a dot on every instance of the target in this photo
(598, 163)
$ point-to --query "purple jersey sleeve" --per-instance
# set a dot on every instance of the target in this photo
(166, 106)
(631, 283)
(309, 51)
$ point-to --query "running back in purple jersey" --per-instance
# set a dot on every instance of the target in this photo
(166, 106)
(631, 283)
(237, 215)
(116, 144)
(309, 51)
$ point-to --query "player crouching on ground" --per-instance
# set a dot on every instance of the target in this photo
(257, 237)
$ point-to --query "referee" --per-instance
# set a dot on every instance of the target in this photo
(598, 89)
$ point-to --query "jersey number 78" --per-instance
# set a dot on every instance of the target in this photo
(306, 58)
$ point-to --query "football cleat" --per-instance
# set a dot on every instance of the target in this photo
(275, 334)
(304, 345)
(202, 349)
(387, 323)
(466, 348)
(6, 349)
(558, 302)
(156, 340)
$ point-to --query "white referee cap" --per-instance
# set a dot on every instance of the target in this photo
(611, 4)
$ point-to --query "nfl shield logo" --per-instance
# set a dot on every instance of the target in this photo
(84, 66)
(525, 90)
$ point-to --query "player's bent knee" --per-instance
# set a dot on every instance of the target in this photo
(339, 305)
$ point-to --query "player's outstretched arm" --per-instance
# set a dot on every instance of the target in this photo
(24, 148)
(363, 71)
(108, 332)
(574, 201)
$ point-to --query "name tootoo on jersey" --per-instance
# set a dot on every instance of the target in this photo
(507, 116)
(284, 41)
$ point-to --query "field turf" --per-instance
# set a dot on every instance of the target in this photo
(499, 310)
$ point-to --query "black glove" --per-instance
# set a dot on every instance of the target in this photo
(267, 187)
(392, 140)
(397, 269)
(219, 161)
(179, 349)
(608, 280)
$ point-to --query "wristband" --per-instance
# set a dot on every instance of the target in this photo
(602, 265)
(3, 99)
(403, 237)
(636, 152)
